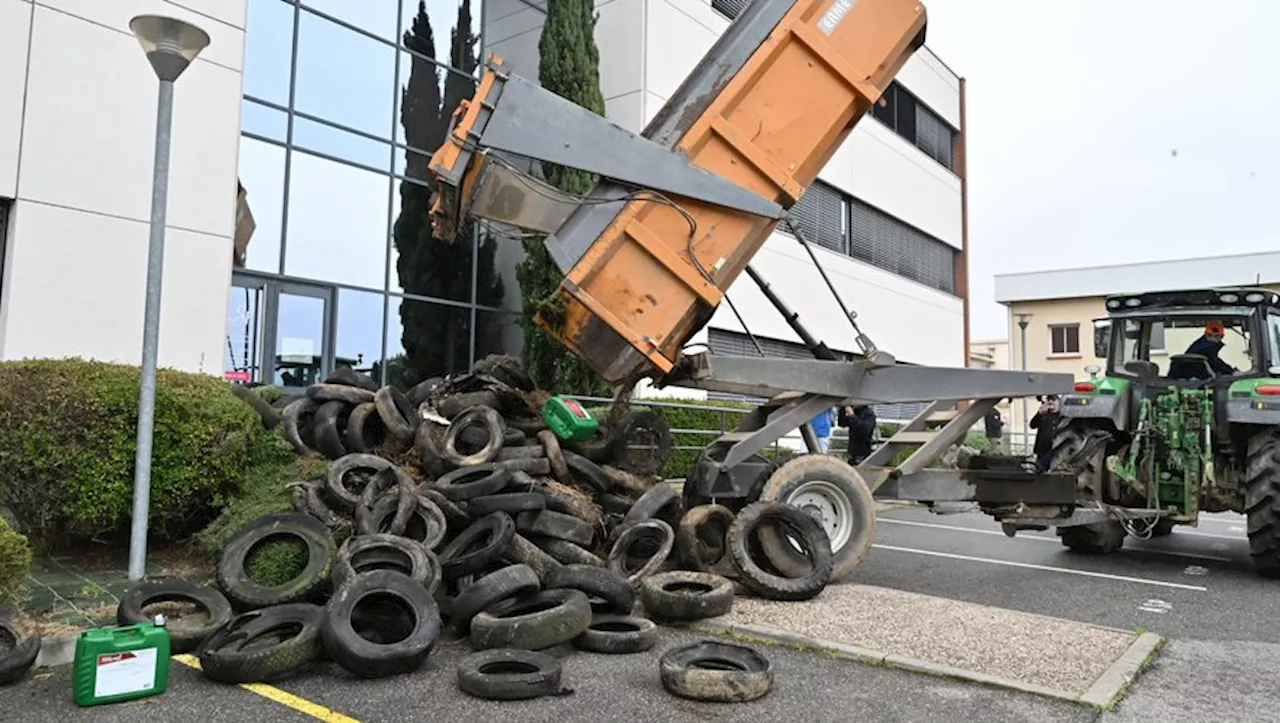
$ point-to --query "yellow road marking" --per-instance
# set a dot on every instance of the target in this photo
(288, 700)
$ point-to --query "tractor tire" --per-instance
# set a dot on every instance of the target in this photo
(1262, 502)
(1162, 528)
(1102, 538)
(838, 498)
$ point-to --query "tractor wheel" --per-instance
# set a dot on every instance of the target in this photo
(1103, 537)
(1262, 501)
(1162, 528)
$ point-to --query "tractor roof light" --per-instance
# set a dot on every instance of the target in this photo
(1113, 304)
(1255, 297)
(1228, 298)
(1133, 301)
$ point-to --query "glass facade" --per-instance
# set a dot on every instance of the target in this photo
(343, 104)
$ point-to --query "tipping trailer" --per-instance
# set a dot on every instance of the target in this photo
(676, 217)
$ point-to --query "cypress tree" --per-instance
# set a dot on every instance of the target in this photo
(436, 337)
(569, 66)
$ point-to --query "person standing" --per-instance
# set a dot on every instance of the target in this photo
(822, 430)
(1045, 422)
(994, 423)
(861, 423)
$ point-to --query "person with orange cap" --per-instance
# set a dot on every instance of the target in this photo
(1208, 346)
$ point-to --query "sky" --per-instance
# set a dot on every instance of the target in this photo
(1112, 132)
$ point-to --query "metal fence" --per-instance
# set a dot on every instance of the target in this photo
(1013, 442)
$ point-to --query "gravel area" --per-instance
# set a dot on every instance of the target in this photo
(1049, 652)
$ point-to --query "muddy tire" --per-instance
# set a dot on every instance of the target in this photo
(480, 480)
(617, 595)
(509, 582)
(532, 622)
(658, 534)
(566, 552)
(481, 544)
(19, 652)
(263, 645)
(183, 637)
(507, 674)
(618, 635)
(295, 423)
(330, 427)
(716, 672)
(686, 596)
(397, 413)
(701, 538)
(406, 621)
(511, 503)
(1262, 502)
(554, 454)
(520, 550)
(759, 517)
(246, 594)
(367, 553)
(557, 525)
(833, 492)
(343, 498)
(365, 431)
(647, 430)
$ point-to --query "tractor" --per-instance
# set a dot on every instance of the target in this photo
(1164, 435)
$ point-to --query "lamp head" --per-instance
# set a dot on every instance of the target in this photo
(170, 44)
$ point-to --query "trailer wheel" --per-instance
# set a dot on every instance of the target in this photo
(834, 493)
(1262, 502)
(1102, 538)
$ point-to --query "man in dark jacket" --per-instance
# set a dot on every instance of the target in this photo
(861, 423)
(994, 424)
(1045, 422)
(1209, 345)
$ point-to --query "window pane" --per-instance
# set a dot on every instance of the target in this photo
(1073, 339)
(1157, 336)
(268, 46)
(263, 121)
(422, 264)
(359, 342)
(300, 338)
(375, 16)
(313, 136)
(430, 26)
(498, 332)
(343, 76)
(426, 340)
(337, 222)
(420, 89)
(245, 316)
(262, 175)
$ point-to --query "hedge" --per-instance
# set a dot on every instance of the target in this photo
(15, 565)
(67, 446)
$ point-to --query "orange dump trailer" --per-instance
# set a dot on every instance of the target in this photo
(682, 208)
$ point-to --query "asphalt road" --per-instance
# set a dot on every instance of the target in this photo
(1196, 587)
(606, 688)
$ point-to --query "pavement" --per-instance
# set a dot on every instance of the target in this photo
(623, 688)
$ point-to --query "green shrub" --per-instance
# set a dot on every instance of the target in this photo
(15, 564)
(67, 446)
(269, 393)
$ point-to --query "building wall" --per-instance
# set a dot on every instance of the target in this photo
(77, 131)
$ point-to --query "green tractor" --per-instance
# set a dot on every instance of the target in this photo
(1164, 435)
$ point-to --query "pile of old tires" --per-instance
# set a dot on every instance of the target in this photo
(460, 512)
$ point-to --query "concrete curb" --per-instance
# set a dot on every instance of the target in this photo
(1104, 693)
(55, 652)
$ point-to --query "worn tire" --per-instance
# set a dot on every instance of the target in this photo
(512, 581)
(21, 653)
(701, 538)
(351, 378)
(366, 553)
(455, 404)
(365, 431)
(618, 635)
(479, 480)
(557, 525)
(640, 425)
(532, 622)
(335, 481)
(330, 427)
(397, 413)
(182, 638)
(365, 658)
(803, 527)
(1262, 502)
(427, 443)
(521, 551)
(295, 423)
(566, 552)
(555, 454)
(686, 596)
(613, 589)
(244, 593)
(815, 478)
(653, 531)
(484, 542)
(339, 393)
(511, 503)
(229, 654)
(586, 473)
(658, 499)
(508, 674)
(716, 672)
(426, 525)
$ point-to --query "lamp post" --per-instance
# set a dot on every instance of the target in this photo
(170, 46)
(1023, 320)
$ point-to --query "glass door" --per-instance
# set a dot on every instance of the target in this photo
(279, 333)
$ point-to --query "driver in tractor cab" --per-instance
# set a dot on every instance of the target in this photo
(1209, 345)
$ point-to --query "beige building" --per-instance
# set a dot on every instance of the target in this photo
(1059, 307)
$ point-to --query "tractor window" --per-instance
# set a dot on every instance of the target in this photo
(1171, 336)
(1273, 334)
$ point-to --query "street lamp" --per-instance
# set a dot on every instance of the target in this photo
(1023, 320)
(170, 46)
